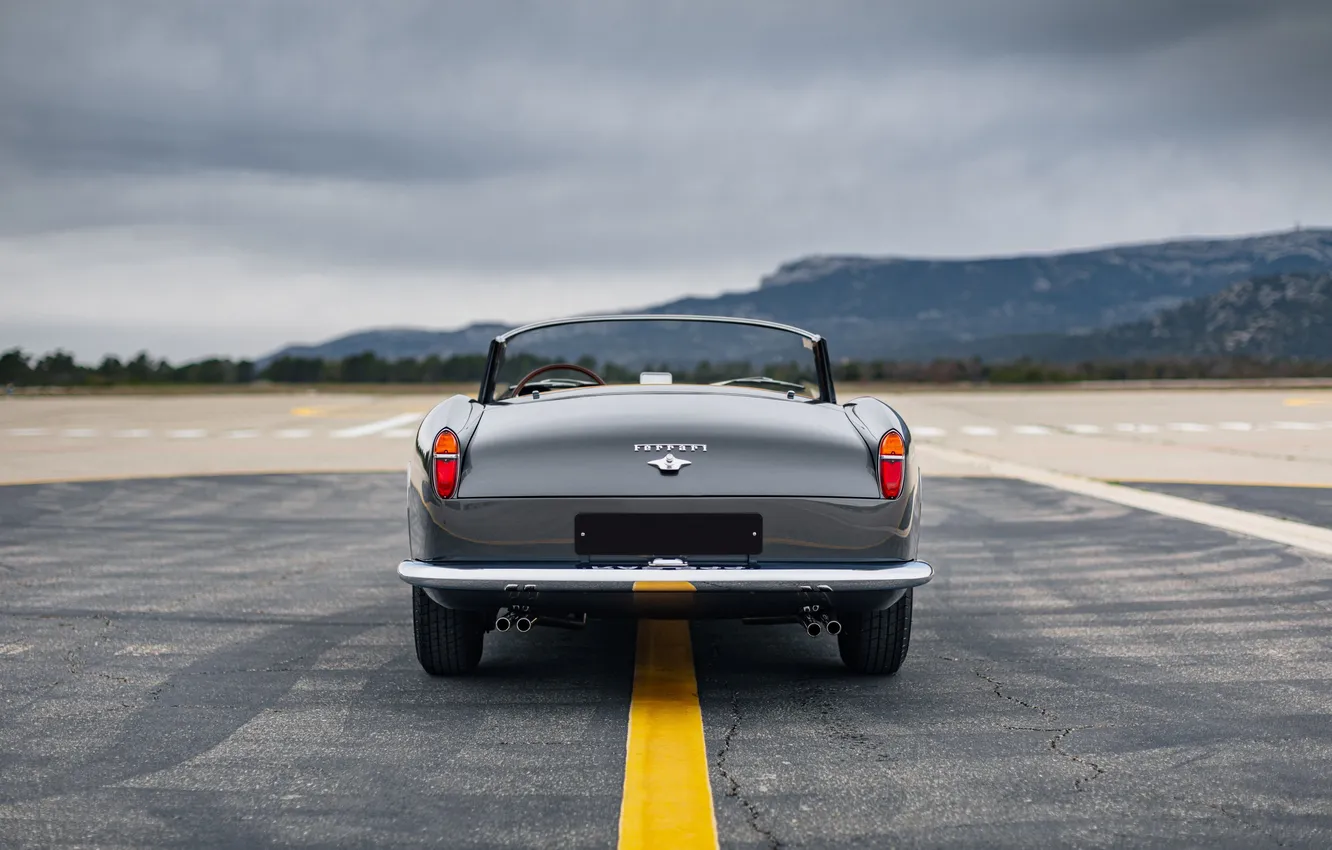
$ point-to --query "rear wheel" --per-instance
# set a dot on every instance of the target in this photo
(875, 642)
(448, 640)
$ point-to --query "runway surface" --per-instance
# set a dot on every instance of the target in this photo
(1271, 436)
(226, 661)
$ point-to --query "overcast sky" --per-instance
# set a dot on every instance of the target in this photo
(225, 177)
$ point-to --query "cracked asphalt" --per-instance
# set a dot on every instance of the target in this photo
(221, 662)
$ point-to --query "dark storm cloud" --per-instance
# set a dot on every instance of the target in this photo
(439, 91)
(100, 140)
(510, 143)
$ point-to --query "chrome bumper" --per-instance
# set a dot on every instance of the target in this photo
(789, 577)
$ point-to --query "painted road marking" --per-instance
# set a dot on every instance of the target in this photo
(381, 425)
(667, 800)
(684, 586)
(1297, 534)
(1083, 429)
(1305, 402)
(391, 428)
(140, 650)
(167, 476)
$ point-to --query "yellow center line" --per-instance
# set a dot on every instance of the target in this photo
(667, 799)
(678, 586)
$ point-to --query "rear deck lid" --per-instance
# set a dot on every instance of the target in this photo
(708, 443)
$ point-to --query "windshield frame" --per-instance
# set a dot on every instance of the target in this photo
(495, 357)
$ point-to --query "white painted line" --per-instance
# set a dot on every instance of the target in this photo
(79, 432)
(1031, 430)
(1083, 429)
(293, 433)
(408, 433)
(1295, 426)
(187, 434)
(979, 431)
(928, 431)
(1131, 428)
(242, 434)
(134, 433)
(1191, 427)
(381, 425)
(1301, 536)
(1236, 426)
(28, 432)
(146, 649)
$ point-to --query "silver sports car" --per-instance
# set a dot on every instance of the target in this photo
(645, 466)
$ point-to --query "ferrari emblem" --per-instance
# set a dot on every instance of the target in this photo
(670, 464)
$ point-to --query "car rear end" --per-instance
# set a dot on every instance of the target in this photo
(670, 502)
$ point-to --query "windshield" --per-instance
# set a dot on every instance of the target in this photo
(650, 352)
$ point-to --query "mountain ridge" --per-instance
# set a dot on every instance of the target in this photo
(918, 308)
(1287, 316)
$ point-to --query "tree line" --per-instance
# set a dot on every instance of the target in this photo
(60, 369)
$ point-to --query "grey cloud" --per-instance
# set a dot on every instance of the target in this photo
(440, 91)
(628, 140)
(110, 141)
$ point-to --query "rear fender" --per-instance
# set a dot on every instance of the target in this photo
(873, 418)
(459, 413)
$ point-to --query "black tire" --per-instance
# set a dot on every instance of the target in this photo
(448, 640)
(875, 642)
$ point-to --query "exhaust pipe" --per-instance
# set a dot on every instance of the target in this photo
(812, 626)
(524, 624)
(503, 623)
(834, 627)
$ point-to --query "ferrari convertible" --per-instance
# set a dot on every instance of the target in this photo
(658, 466)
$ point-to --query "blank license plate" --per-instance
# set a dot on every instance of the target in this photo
(667, 535)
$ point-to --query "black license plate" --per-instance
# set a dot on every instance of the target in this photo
(668, 535)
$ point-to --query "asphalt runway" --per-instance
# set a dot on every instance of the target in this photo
(227, 661)
(1269, 436)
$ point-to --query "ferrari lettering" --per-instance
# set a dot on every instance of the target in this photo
(670, 447)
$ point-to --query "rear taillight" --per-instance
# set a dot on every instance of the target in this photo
(446, 463)
(892, 464)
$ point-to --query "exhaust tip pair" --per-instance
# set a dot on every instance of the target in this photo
(522, 624)
(814, 628)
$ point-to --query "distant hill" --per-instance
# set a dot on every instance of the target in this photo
(1279, 316)
(396, 343)
(904, 308)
